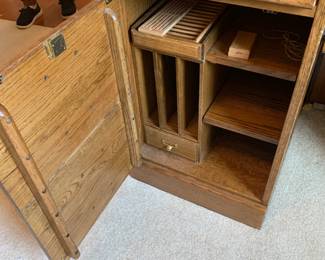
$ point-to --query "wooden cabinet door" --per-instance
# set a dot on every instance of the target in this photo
(71, 123)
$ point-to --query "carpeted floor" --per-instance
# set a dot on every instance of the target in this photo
(144, 223)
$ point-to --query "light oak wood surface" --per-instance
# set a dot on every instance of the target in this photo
(242, 45)
(68, 121)
(61, 116)
(20, 153)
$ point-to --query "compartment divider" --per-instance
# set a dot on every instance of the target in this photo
(147, 88)
(188, 74)
(165, 76)
(180, 72)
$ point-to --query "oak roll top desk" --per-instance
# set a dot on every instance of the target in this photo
(147, 89)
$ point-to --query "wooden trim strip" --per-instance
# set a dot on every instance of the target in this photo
(20, 153)
(123, 82)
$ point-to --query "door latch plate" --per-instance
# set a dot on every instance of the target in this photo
(55, 46)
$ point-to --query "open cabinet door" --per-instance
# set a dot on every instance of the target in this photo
(65, 147)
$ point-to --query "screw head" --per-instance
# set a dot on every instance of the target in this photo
(9, 120)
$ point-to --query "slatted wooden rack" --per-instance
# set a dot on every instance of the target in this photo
(181, 28)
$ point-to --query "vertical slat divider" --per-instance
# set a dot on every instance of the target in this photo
(148, 98)
(181, 95)
(141, 82)
(210, 74)
(161, 90)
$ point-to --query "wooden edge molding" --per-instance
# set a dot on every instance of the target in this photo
(115, 37)
(21, 155)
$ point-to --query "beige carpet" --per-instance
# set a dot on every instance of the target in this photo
(144, 223)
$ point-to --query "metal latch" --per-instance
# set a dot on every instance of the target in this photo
(55, 46)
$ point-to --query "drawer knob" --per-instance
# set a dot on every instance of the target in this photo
(169, 147)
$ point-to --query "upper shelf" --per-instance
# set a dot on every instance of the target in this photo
(297, 7)
(268, 55)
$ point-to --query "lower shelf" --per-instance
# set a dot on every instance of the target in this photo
(252, 105)
(236, 164)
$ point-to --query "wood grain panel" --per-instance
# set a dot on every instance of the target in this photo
(97, 167)
(24, 200)
(63, 108)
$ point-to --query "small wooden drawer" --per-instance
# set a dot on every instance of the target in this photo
(185, 29)
(171, 143)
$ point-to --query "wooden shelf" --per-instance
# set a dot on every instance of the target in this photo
(252, 105)
(236, 164)
(268, 56)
